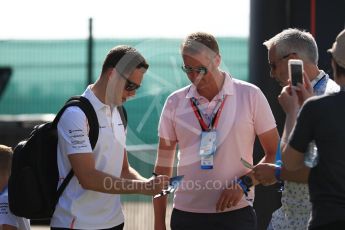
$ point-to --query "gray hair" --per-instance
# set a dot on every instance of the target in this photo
(295, 41)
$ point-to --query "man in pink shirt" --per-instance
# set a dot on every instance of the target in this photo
(214, 122)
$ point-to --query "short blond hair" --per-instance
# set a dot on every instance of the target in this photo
(198, 42)
(5, 159)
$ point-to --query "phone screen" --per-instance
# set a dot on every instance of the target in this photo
(296, 74)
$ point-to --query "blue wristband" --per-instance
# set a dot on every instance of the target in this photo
(243, 186)
(277, 173)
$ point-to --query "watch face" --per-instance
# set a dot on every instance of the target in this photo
(247, 180)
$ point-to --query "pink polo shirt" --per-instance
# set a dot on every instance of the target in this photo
(246, 113)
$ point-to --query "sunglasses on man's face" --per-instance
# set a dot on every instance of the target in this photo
(199, 70)
(130, 86)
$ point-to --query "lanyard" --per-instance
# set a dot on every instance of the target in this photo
(320, 80)
(279, 155)
(279, 163)
(320, 86)
(215, 115)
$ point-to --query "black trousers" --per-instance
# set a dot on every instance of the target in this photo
(338, 225)
(118, 227)
(241, 219)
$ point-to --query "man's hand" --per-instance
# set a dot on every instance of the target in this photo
(288, 100)
(230, 197)
(265, 173)
(305, 90)
(156, 184)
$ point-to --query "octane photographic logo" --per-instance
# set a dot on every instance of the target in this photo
(163, 77)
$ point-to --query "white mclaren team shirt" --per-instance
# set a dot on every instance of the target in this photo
(85, 209)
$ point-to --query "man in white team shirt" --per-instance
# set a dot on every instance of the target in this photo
(8, 221)
(91, 200)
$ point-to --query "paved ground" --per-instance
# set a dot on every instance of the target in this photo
(139, 216)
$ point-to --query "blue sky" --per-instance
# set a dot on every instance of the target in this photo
(68, 19)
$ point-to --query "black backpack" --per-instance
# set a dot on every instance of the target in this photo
(32, 187)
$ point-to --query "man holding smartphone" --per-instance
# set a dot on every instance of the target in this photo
(293, 44)
(326, 181)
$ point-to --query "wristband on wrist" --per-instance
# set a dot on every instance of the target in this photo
(243, 186)
(277, 173)
(247, 181)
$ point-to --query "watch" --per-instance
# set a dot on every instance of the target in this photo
(247, 181)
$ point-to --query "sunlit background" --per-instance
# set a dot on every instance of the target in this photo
(66, 19)
(45, 43)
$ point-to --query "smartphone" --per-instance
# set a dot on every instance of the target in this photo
(174, 183)
(295, 71)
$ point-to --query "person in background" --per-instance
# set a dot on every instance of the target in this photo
(326, 180)
(214, 122)
(8, 221)
(293, 44)
(91, 200)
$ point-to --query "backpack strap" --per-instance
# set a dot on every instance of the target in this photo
(90, 113)
(85, 105)
(123, 114)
